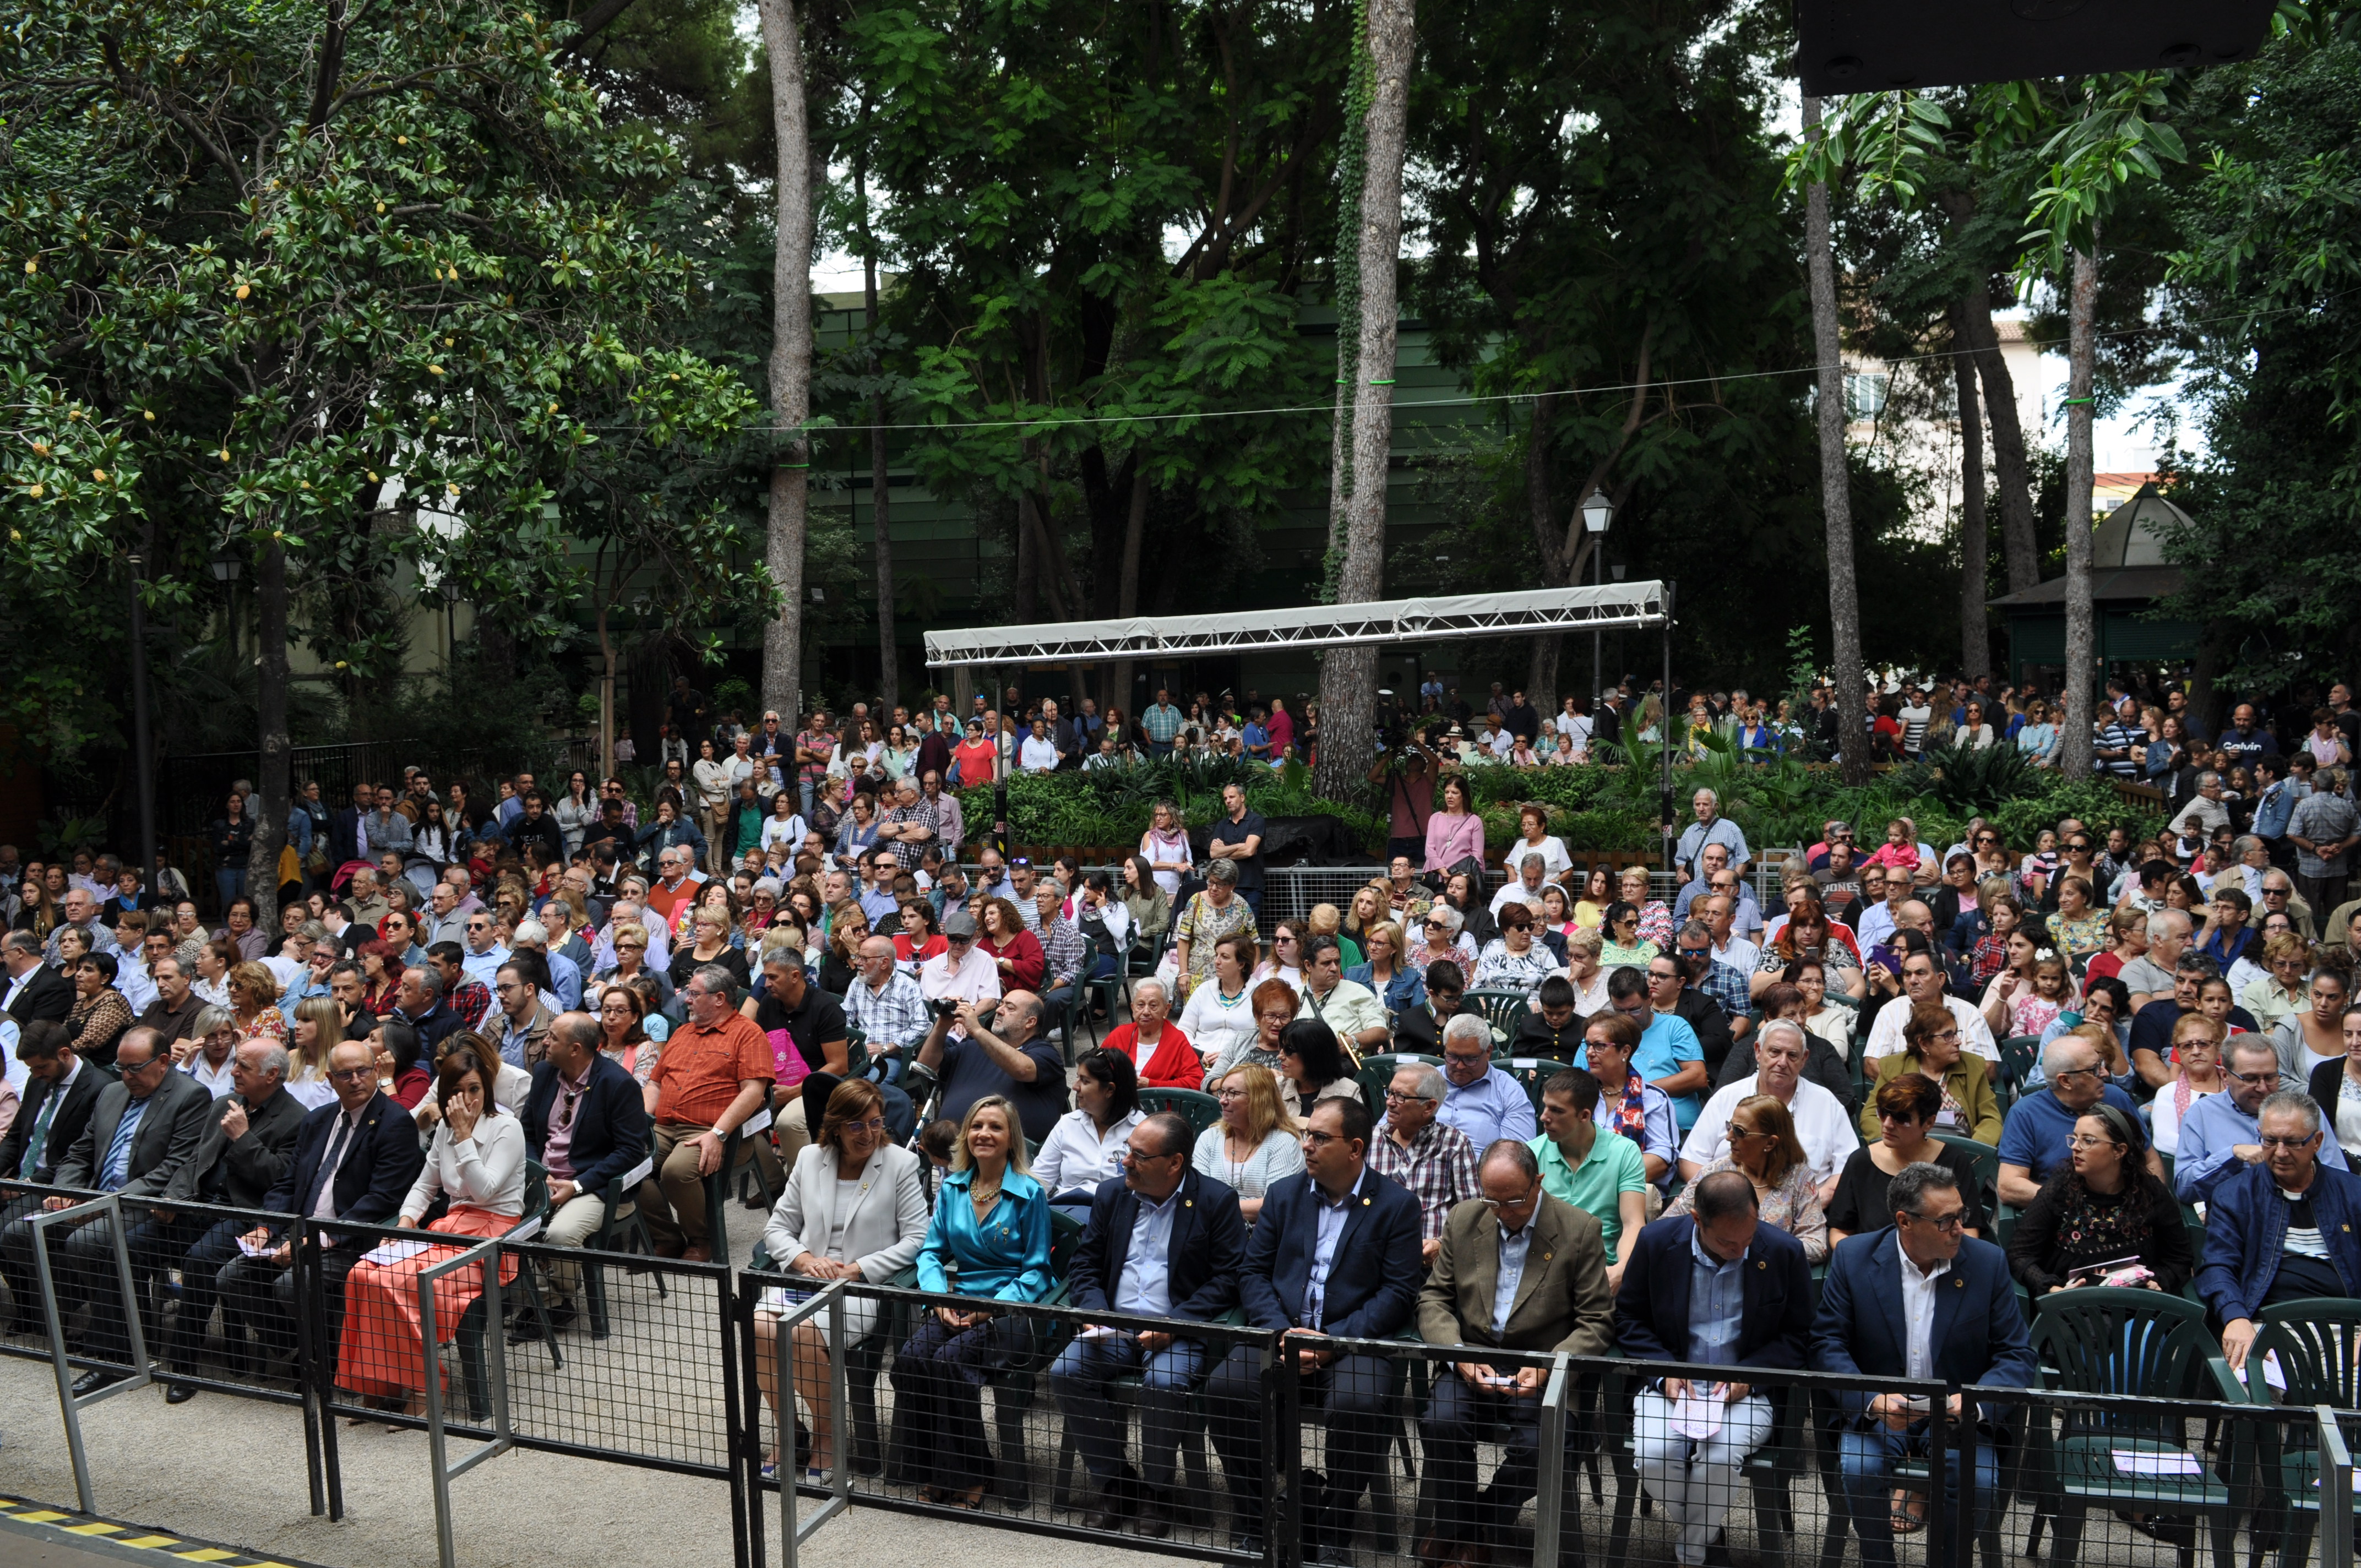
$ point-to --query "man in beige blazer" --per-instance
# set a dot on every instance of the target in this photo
(1517, 1270)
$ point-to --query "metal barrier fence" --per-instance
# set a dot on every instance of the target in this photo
(1384, 1455)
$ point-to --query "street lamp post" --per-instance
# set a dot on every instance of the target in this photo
(143, 750)
(1598, 511)
(227, 568)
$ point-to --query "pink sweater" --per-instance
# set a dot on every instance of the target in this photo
(1450, 839)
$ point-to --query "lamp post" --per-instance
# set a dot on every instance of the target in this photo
(1598, 511)
(226, 569)
(142, 746)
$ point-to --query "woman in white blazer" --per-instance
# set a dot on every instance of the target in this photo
(855, 1208)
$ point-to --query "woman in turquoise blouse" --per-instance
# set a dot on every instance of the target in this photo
(991, 1230)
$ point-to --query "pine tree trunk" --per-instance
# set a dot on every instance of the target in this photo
(889, 678)
(1975, 564)
(791, 359)
(272, 780)
(1348, 676)
(1835, 482)
(2081, 357)
(1971, 323)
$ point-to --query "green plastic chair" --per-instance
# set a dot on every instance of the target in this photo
(2143, 1343)
(1504, 1010)
(1377, 1070)
(1201, 1110)
(1088, 990)
(1532, 1073)
(2018, 1055)
(2318, 1343)
(1987, 1162)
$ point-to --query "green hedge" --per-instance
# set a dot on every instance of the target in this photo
(1777, 801)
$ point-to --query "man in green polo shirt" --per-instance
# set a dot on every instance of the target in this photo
(1605, 1177)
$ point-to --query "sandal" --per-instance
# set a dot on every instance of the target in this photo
(1907, 1514)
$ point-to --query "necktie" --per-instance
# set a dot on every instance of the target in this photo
(326, 1199)
(40, 1138)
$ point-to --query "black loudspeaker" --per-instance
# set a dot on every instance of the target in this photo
(1870, 46)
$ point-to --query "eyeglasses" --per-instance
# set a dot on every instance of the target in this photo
(2257, 1079)
(2287, 1143)
(1948, 1223)
(1396, 1098)
(873, 1125)
(2086, 1141)
(352, 1074)
(1496, 1204)
(1228, 1095)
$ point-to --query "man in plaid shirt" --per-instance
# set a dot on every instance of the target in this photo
(1061, 944)
(886, 1004)
(1436, 1162)
(1724, 985)
(1162, 722)
(470, 999)
(910, 826)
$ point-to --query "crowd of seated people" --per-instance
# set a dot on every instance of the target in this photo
(2056, 1055)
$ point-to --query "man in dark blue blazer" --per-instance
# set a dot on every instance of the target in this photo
(355, 1160)
(1921, 1300)
(586, 1122)
(1163, 1242)
(1335, 1252)
(1721, 1288)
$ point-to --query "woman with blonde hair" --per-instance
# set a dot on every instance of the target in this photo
(1762, 1145)
(1256, 1142)
(854, 1207)
(319, 1026)
(990, 1225)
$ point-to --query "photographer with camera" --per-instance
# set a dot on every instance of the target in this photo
(1407, 766)
(1001, 1049)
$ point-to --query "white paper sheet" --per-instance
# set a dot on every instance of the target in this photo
(2133, 1462)
(759, 1122)
(1700, 1415)
(637, 1174)
(386, 1253)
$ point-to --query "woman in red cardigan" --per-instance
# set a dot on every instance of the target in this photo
(1159, 1052)
(1009, 944)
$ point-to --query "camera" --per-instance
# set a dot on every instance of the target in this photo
(944, 1006)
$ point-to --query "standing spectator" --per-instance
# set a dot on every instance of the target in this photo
(2323, 829)
(1237, 837)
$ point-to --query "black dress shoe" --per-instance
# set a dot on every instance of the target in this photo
(1115, 1506)
(179, 1393)
(1155, 1517)
(90, 1382)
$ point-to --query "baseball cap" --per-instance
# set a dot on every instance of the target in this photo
(959, 923)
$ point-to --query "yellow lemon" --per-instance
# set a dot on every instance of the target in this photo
(38, 492)
(99, 474)
(243, 290)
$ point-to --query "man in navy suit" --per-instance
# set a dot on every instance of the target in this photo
(61, 1092)
(1918, 1299)
(354, 1160)
(586, 1122)
(1335, 1252)
(1721, 1288)
(1163, 1242)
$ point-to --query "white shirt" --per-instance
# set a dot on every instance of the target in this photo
(131, 979)
(1740, 954)
(1918, 1313)
(216, 1079)
(1552, 850)
(284, 970)
(977, 979)
(1214, 1025)
(1038, 755)
(1517, 893)
(1826, 1134)
(1075, 1155)
(1885, 1033)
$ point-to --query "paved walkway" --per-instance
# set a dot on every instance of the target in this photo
(231, 1470)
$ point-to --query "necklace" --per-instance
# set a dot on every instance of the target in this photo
(984, 1197)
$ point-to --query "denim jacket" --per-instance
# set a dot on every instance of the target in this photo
(2246, 1232)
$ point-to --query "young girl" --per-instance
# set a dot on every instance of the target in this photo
(2032, 1013)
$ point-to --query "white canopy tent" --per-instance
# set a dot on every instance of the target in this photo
(1609, 607)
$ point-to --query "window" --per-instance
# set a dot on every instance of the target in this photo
(1864, 392)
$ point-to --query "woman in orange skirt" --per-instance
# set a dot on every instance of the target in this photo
(478, 1160)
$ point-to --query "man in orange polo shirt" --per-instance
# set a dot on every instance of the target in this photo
(714, 1072)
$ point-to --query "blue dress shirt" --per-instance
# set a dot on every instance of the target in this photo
(1330, 1231)
(1006, 1255)
(115, 1169)
(1495, 1106)
(1717, 1305)
(1145, 1286)
(1514, 1247)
